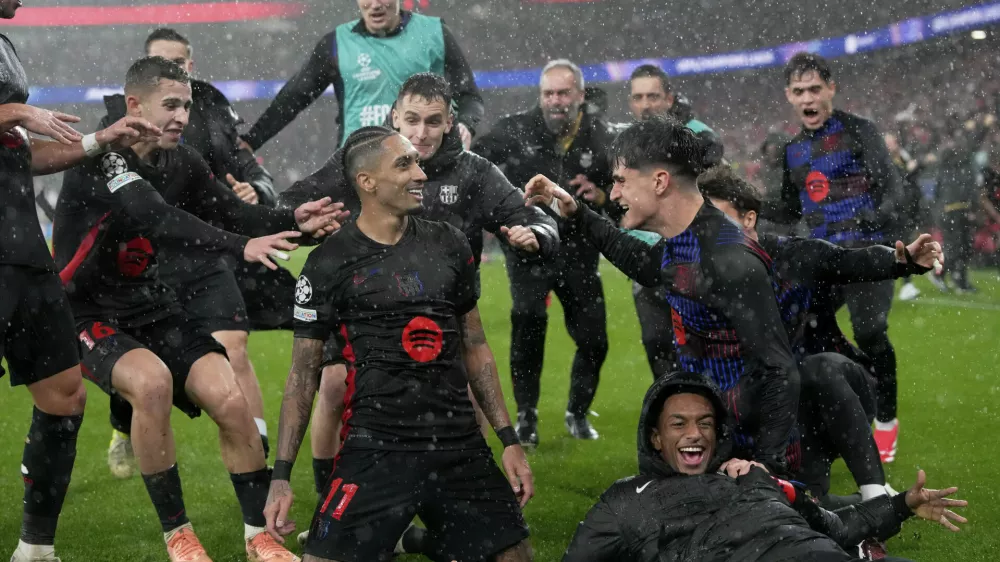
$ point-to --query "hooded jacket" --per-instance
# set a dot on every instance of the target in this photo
(462, 189)
(211, 132)
(661, 515)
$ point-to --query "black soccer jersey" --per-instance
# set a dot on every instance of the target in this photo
(21, 242)
(117, 213)
(400, 307)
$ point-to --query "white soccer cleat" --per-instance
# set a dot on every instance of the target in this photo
(34, 553)
(302, 538)
(121, 457)
(908, 292)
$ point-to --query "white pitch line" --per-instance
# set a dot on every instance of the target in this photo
(954, 303)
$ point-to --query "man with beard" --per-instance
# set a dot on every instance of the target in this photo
(37, 332)
(366, 61)
(840, 179)
(116, 213)
(557, 138)
(402, 291)
(693, 501)
(224, 298)
(462, 189)
(650, 95)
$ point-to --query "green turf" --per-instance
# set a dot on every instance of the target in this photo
(949, 393)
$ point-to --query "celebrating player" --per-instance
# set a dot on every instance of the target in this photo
(404, 291)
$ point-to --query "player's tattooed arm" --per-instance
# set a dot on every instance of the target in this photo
(481, 367)
(300, 391)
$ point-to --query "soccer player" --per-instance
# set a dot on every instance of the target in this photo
(366, 61)
(37, 333)
(650, 94)
(462, 189)
(223, 298)
(840, 179)
(726, 319)
(404, 290)
(836, 405)
(559, 139)
(137, 343)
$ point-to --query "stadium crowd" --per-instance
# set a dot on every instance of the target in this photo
(743, 237)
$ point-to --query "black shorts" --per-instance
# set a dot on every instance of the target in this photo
(212, 301)
(462, 497)
(37, 334)
(174, 340)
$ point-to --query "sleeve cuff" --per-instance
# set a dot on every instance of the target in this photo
(899, 506)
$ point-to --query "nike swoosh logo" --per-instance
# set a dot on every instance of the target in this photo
(639, 489)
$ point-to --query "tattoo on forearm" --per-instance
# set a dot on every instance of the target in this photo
(485, 385)
(300, 391)
(472, 328)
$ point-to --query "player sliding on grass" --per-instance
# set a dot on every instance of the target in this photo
(403, 292)
(114, 214)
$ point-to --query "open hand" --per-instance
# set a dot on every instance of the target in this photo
(321, 217)
(933, 505)
(588, 190)
(126, 132)
(52, 124)
(261, 250)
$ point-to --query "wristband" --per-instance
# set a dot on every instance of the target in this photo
(508, 437)
(282, 471)
(90, 145)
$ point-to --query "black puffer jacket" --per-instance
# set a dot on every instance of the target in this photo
(663, 516)
(462, 189)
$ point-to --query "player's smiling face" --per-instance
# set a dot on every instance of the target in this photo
(812, 98)
(168, 106)
(8, 8)
(423, 122)
(173, 51)
(636, 191)
(685, 433)
(399, 180)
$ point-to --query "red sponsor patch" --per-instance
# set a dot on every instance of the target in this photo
(680, 336)
(133, 258)
(86, 340)
(817, 186)
(422, 339)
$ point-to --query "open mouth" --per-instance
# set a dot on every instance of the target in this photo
(692, 456)
(810, 112)
(377, 16)
(417, 192)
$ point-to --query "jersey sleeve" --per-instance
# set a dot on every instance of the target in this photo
(319, 71)
(127, 192)
(467, 285)
(316, 297)
(884, 176)
(598, 537)
(828, 263)
(744, 293)
(462, 81)
(635, 258)
(208, 199)
(788, 208)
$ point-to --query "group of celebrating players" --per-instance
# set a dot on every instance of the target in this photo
(159, 271)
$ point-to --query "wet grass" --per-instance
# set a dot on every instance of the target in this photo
(949, 361)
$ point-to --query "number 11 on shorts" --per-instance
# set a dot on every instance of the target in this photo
(349, 491)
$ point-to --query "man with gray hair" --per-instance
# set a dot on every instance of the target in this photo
(560, 139)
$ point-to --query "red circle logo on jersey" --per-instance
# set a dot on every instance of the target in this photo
(422, 339)
(817, 186)
(134, 257)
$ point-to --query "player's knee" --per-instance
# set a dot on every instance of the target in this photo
(153, 392)
(63, 394)
(229, 410)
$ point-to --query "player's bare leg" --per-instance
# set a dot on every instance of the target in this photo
(212, 386)
(47, 463)
(520, 552)
(235, 342)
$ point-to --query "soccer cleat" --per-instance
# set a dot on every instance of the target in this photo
(527, 428)
(33, 553)
(887, 440)
(184, 546)
(908, 292)
(579, 427)
(263, 548)
(303, 538)
(121, 457)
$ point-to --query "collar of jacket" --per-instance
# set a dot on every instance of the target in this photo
(404, 18)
